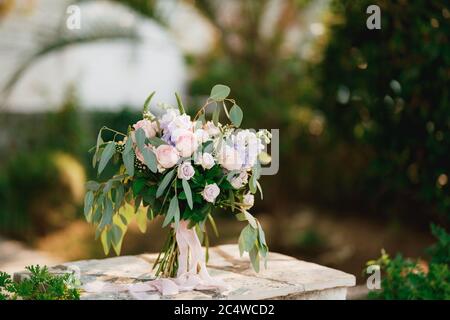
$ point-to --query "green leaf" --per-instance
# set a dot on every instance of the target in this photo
(128, 145)
(138, 185)
(139, 134)
(173, 212)
(236, 115)
(254, 258)
(92, 185)
(88, 201)
(147, 102)
(248, 238)
(155, 141)
(97, 147)
(107, 154)
(213, 224)
(105, 239)
(188, 192)
(116, 234)
(164, 183)
(180, 104)
(141, 220)
(219, 92)
(120, 191)
(149, 159)
(150, 213)
(216, 115)
(128, 161)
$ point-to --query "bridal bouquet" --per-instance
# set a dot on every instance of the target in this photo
(181, 168)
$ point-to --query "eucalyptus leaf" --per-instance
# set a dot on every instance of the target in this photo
(173, 212)
(141, 219)
(155, 141)
(107, 154)
(116, 234)
(254, 258)
(88, 201)
(149, 159)
(188, 192)
(140, 138)
(105, 239)
(236, 115)
(97, 147)
(219, 92)
(92, 185)
(247, 238)
(164, 183)
(128, 146)
(128, 161)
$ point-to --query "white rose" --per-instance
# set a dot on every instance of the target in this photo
(206, 160)
(167, 156)
(211, 129)
(236, 182)
(202, 135)
(211, 192)
(229, 158)
(248, 201)
(186, 170)
(186, 143)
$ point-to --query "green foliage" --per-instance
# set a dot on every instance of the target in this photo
(387, 91)
(40, 285)
(408, 279)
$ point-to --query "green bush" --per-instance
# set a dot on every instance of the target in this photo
(41, 285)
(408, 279)
(387, 92)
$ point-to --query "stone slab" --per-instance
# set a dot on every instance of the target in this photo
(284, 278)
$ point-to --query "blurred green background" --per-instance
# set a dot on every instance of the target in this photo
(364, 117)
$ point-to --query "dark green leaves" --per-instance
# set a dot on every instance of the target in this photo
(107, 154)
(173, 212)
(236, 115)
(219, 92)
(164, 183)
(188, 192)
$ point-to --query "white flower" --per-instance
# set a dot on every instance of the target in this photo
(248, 145)
(202, 135)
(210, 192)
(186, 143)
(229, 158)
(248, 200)
(211, 129)
(206, 160)
(239, 181)
(236, 183)
(186, 170)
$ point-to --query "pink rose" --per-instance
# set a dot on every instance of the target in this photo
(150, 128)
(186, 143)
(167, 156)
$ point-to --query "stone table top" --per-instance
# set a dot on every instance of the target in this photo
(284, 278)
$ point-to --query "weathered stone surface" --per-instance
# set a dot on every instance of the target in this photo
(284, 278)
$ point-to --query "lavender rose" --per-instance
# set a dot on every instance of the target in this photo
(210, 192)
(186, 170)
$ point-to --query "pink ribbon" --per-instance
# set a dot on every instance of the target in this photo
(194, 278)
